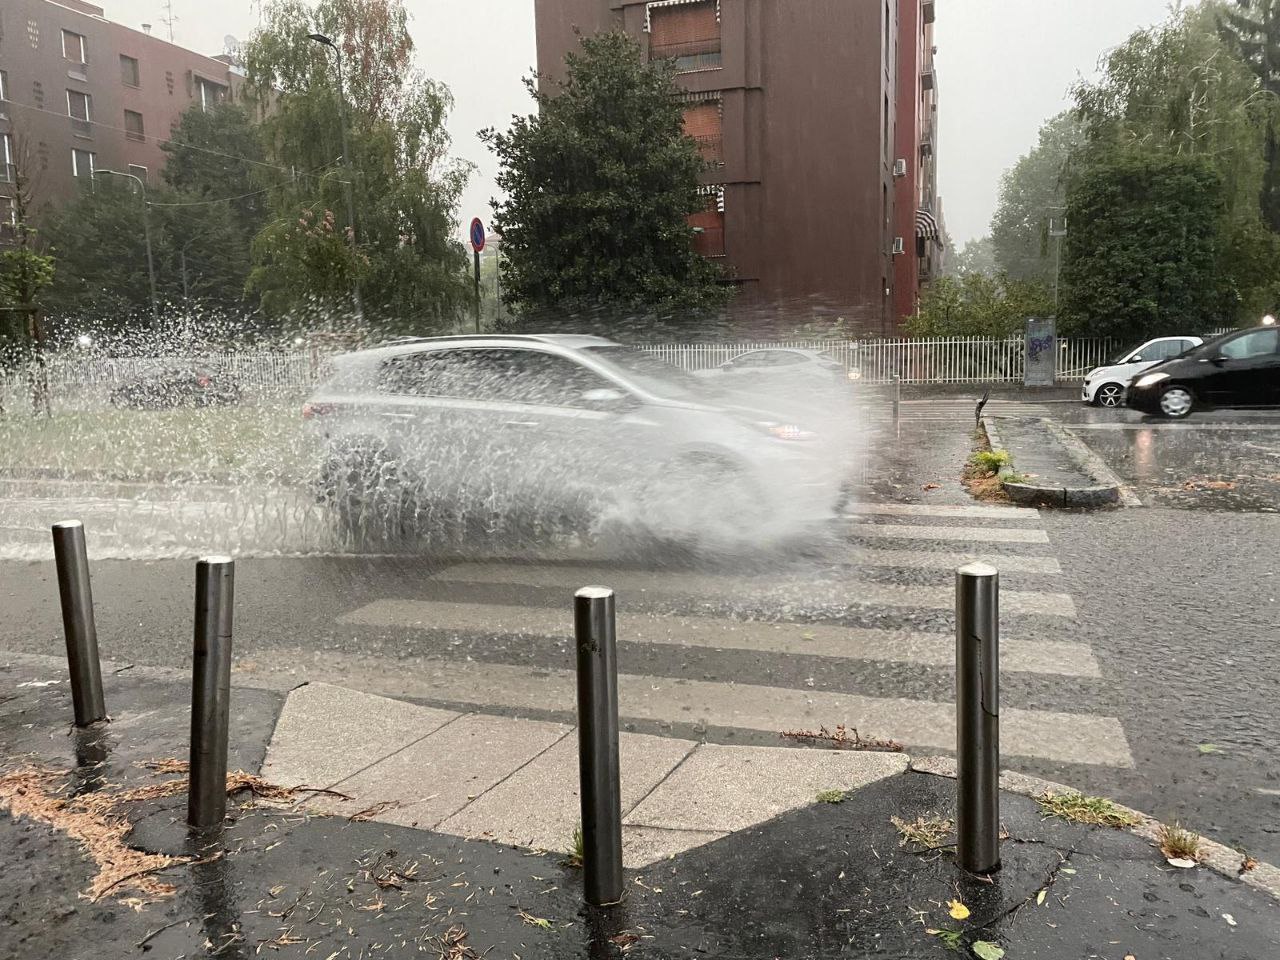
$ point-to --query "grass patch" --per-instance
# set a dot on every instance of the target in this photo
(925, 832)
(831, 796)
(576, 848)
(1178, 843)
(990, 461)
(1078, 808)
(981, 474)
(243, 441)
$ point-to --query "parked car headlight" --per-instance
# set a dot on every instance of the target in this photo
(1150, 379)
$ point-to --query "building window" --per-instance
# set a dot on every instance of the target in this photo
(7, 172)
(4, 85)
(686, 31)
(73, 46)
(78, 105)
(703, 123)
(129, 71)
(210, 93)
(8, 215)
(708, 225)
(139, 171)
(133, 125)
(81, 162)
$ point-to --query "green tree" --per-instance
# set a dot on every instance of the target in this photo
(1178, 90)
(1252, 29)
(410, 268)
(1031, 192)
(977, 304)
(978, 255)
(1141, 258)
(600, 184)
(217, 155)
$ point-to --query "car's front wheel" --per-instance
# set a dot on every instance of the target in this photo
(1109, 395)
(1176, 402)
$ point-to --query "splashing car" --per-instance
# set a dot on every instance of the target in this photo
(423, 432)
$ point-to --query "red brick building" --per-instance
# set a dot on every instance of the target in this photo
(797, 106)
(918, 208)
(79, 93)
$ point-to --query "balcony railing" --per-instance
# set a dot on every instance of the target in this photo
(690, 56)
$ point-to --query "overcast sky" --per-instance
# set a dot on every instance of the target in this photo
(1003, 67)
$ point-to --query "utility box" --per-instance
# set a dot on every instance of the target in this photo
(1040, 360)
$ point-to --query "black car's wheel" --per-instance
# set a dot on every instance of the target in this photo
(1176, 401)
(1109, 395)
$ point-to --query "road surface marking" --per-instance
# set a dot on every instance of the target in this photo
(1060, 737)
(805, 639)
(856, 510)
(972, 534)
(942, 560)
(854, 590)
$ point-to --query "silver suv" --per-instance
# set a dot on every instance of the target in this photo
(573, 430)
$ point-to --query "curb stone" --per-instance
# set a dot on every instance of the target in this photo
(1216, 856)
(1109, 492)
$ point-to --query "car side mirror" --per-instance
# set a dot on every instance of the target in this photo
(1218, 360)
(1137, 358)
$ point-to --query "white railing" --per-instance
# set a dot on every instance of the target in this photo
(86, 381)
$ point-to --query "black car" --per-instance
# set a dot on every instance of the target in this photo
(176, 387)
(1236, 370)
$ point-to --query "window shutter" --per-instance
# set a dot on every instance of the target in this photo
(685, 24)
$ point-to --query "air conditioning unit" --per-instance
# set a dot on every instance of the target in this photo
(900, 168)
(899, 246)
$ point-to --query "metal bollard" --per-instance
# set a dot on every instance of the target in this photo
(978, 717)
(211, 693)
(72, 561)
(598, 768)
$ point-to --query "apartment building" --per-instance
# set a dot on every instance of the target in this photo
(80, 94)
(918, 214)
(796, 106)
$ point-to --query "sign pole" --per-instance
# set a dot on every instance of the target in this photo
(477, 244)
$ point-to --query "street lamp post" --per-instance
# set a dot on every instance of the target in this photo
(146, 232)
(321, 39)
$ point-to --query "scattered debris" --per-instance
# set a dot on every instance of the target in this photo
(1248, 863)
(1078, 808)
(958, 910)
(949, 938)
(1177, 843)
(452, 945)
(831, 796)
(925, 832)
(533, 921)
(1201, 483)
(986, 950)
(1231, 921)
(844, 738)
(368, 813)
(1209, 748)
(931, 486)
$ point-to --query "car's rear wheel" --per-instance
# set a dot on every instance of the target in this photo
(1109, 395)
(1176, 402)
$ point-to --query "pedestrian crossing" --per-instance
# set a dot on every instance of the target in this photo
(958, 410)
(689, 656)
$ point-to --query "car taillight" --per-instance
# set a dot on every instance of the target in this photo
(312, 410)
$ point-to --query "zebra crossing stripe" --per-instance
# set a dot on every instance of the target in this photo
(853, 590)
(941, 510)
(949, 560)
(803, 639)
(969, 534)
(1041, 734)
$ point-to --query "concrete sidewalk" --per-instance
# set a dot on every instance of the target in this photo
(516, 781)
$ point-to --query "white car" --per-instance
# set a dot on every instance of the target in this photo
(1105, 386)
(529, 427)
(779, 362)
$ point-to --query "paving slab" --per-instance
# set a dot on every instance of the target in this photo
(538, 806)
(436, 776)
(722, 789)
(642, 846)
(327, 733)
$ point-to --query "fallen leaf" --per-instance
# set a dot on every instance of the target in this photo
(1040, 897)
(535, 921)
(1231, 921)
(985, 950)
(1067, 870)
(1248, 863)
(1209, 748)
(932, 486)
(1181, 862)
(958, 910)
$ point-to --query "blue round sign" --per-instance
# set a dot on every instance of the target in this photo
(477, 234)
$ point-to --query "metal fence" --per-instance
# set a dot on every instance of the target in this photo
(85, 381)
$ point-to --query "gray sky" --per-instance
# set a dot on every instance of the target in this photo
(1003, 67)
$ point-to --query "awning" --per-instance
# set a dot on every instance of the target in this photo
(927, 226)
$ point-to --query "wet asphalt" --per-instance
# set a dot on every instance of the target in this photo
(1177, 599)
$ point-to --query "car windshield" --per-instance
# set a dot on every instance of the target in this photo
(651, 372)
(1124, 354)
